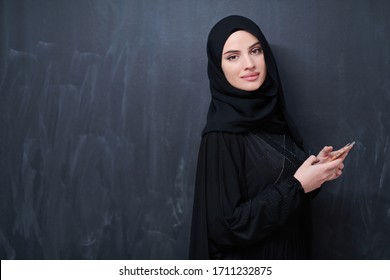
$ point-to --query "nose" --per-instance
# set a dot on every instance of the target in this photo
(248, 62)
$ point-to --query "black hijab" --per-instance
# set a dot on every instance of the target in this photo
(238, 111)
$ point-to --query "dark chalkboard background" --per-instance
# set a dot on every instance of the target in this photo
(102, 104)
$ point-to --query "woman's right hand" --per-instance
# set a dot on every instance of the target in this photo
(312, 174)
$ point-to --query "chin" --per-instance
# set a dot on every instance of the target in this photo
(251, 87)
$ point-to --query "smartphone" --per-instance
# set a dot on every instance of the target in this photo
(343, 150)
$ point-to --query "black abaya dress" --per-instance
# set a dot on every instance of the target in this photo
(248, 204)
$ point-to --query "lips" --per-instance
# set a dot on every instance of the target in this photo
(251, 76)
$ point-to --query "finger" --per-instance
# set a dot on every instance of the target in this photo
(340, 167)
(328, 149)
(334, 175)
(333, 164)
(325, 151)
(331, 177)
(338, 174)
(344, 155)
(311, 160)
(343, 152)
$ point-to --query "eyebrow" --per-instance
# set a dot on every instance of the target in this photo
(236, 51)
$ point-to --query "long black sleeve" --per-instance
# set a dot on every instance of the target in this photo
(233, 214)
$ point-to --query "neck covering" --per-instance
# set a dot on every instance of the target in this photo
(238, 111)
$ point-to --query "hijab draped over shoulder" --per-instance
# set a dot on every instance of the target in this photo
(238, 111)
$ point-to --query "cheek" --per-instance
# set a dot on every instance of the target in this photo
(264, 70)
(261, 64)
(230, 70)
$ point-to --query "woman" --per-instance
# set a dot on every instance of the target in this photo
(253, 183)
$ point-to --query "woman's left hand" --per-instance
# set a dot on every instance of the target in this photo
(327, 154)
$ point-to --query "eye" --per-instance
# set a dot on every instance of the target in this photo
(258, 50)
(232, 57)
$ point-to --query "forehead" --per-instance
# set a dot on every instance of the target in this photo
(240, 39)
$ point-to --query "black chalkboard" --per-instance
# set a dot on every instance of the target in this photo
(102, 104)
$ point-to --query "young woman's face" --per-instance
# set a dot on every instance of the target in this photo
(243, 61)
